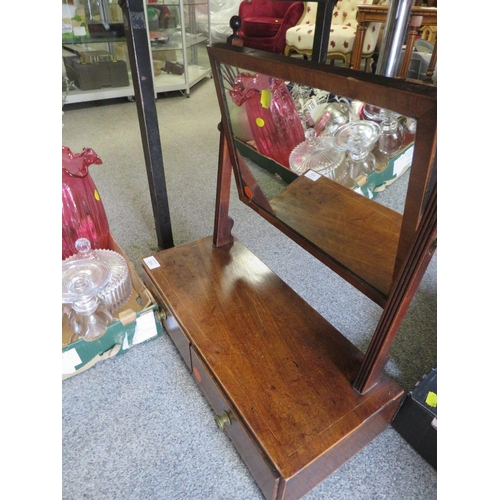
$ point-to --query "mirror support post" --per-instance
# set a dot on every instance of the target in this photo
(398, 16)
(223, 223)
(400, 297)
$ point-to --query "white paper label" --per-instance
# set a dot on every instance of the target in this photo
(70, 359)
(311, 174)
(66, 28)
(403, 161)
(125, 344)
(151, 262)
(145, 328)
(79, 31)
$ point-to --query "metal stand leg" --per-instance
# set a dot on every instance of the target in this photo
(142, 75)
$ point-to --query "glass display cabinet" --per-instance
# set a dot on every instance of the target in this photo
(294, 395)
(95, 62)
(95, 57)
(179, 31)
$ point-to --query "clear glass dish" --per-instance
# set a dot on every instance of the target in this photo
(119, 289)
(315, 153)
(82, 281)
(357, 139)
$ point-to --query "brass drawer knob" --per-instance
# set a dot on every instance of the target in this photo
(161, 315)
(222, 420)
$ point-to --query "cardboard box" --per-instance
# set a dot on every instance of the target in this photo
(96, 75)
(369, 186)
(377, 181)
(416, 419)
(138, 321)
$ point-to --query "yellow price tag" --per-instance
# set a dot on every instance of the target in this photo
(265, 98)
(432, 399)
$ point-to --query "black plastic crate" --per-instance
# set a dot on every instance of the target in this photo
(416, 419)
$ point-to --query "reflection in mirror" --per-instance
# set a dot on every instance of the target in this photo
(284, 130)
(329, 170)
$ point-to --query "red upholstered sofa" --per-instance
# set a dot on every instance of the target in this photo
(264, 23)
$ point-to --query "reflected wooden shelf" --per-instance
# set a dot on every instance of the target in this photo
(359, 234)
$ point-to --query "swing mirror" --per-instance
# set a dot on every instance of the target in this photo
(340, 160)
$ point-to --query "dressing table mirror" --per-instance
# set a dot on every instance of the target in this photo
(295, 396)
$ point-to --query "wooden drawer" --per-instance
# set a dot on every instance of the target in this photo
(177, 335)
(170, 324)
(263, 472)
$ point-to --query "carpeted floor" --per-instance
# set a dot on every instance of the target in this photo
(136, 427)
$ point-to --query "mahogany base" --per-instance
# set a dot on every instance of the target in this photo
(277, 374)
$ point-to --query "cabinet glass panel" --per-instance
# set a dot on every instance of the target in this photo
(179, 33)
(95, 62)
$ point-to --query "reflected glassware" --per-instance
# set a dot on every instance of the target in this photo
(272, 114)
(333, 116)
(410, 125)
(82, 281)
(372, 112)
(119, 289)
(315, 153)
(392, 135)
(357, 139)
(392, 131)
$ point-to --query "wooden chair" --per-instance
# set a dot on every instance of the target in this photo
(420, 16)
(300, 38)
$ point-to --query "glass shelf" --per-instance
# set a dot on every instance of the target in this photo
(178, 44)
(179, 52)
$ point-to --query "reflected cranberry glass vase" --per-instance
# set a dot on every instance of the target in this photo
(83, 214)
(272, 115)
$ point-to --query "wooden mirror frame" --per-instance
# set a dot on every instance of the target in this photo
(406, 98)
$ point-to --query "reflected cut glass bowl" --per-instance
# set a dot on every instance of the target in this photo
(315, 153)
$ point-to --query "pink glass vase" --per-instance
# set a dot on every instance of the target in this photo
(83, 214)
(273, 118)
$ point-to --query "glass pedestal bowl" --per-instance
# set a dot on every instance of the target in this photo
(357, 139)
(82, 281)
(119, 288)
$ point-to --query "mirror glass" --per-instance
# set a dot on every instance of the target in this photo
(284, 129)
(305, 155)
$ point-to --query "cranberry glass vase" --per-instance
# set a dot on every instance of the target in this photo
(272, 115)
(83, 214)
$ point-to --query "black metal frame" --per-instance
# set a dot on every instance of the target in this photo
(142, 76)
